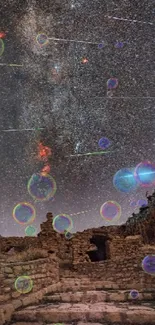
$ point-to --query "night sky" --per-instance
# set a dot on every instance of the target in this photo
(55, 90)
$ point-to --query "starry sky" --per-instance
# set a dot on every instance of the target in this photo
(55, 90)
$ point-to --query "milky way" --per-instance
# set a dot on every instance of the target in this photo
(62, 88)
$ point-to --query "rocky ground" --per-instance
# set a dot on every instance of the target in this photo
(81, 302)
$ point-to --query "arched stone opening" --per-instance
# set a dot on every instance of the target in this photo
(102, 251)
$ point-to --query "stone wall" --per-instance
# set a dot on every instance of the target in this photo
(43, 272)
(126, 273)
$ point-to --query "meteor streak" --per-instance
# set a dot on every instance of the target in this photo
(90, 153)
(20, 130)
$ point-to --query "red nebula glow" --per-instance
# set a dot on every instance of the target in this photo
(43, 152)
(2, 35)
(46, 169)
(84, 60)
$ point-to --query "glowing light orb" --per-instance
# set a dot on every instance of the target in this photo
(24, 213)
(124, 180)
(42, 39)
(62, 222)
(41, 186)
(148, 264)
(110, 211)
(142, 203)
(23, 284)
(112, 83)
(104, 143)
(1, 46)
(145, 174)
(134, 294)
(30, 231)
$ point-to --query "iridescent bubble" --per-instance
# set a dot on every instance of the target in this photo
(148, 264)
(124, 180)
(134, 294)
(110, 211)
(30, 231)
(42, 39)
(104, 143)
(119, 45)
(133, 204)
(145, 174)
(101, 45)
(41, 186)
(112, 83)
(23, 284)
(142, 203)
(68, 235)
(24, 213)
(1, 46)
(62, 222)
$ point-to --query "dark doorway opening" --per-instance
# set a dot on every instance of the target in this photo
(100, 254)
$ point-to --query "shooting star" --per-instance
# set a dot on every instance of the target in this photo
(11, 65)
(20, 130)
(90, 153)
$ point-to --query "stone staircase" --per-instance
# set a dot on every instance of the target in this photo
(82, 301)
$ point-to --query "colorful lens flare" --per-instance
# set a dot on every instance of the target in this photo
(23, 284)
(62, 223)
(110, 211)
(41, 186)
(145, 174)
(24, 213)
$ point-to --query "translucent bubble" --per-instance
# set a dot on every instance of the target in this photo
(1, 46)
(145, 174)
(124, 180)
(24, 213)
(41, 186)
(30, 231)
(142, 203)
(110, 211)
(42, 39)
(112, 83)
(133, 204)
(68, 235)
(148, 264)
(62, 222)
(101, 45)
(23, 284)
(104, 143)
(119, 45)
(134, 294)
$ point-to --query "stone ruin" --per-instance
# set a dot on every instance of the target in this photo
(106, 260)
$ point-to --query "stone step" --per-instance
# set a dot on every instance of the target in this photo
(95, 296)
(86, 285)
(71, 323)
(121, 313)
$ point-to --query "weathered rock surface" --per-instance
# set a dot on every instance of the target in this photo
(121, 313)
